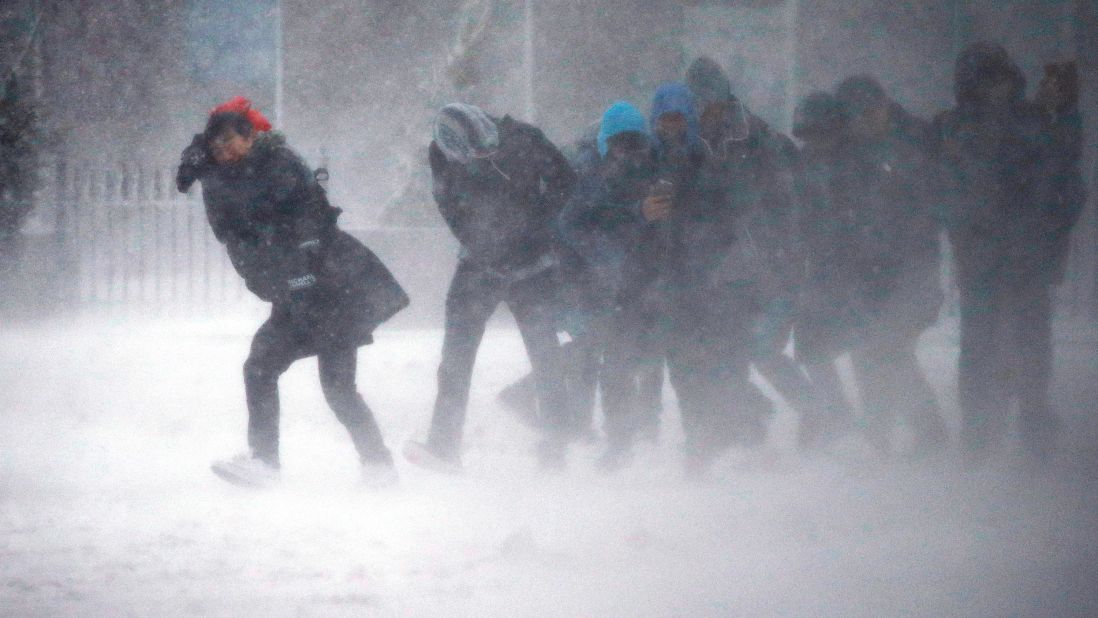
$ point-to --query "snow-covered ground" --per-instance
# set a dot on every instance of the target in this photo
(108, 508)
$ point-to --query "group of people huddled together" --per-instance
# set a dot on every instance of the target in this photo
(696, 238)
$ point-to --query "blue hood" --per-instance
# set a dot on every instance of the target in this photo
(621, 117)
(675, 97)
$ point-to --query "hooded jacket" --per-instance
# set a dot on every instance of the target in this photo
(263, 208)
(999, 208)
(600, 232)
(653, 271)
(882, 189)
(670, 98)
(281, 236)
(1065, 188)
(601, 235)
(502, 209)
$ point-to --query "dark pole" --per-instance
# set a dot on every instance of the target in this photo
(65, 238)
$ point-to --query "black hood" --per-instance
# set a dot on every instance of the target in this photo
(979, 61)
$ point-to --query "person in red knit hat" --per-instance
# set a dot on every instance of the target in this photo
(328, 291)
(243, 106)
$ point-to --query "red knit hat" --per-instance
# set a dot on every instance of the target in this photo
(242, 106)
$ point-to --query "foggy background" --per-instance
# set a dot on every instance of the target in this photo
(125, 326)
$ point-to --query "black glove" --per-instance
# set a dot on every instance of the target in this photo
(192, 164)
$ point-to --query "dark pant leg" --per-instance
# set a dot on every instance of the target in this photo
(983, 377)
(654, 343)
(686, 363)
(273, 350)
(920, 407)
(650, 377)
(337, 379)
(720, 406)
(621, 358)
(472, 298)
(827, 382)
(642, 344)
(710, 369)
(893, 386)
(1031, 336)
(785, 376)
(817, 397)
(581, 367)
(772, 333)
(877, 384)
(534, 313)
(834, 416)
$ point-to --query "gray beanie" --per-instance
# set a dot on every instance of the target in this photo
(464, 132)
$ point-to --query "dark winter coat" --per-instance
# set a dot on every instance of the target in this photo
(870, 231)
(1065, 189)
(281, 235)
(1008, 211)
(731, 227)
(671, 270)
(749, 214)
(503, 212)
(678, 254)
(600, 236)
(882, 192)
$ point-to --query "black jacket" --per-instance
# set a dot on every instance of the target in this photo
(281, 235)
(1065, 190)
(600, 235)
(883, 192)
(870, 230)
(1006, 179)
(745, 224)
(884, 188)
(503, 212)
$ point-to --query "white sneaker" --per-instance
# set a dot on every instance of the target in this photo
(246, 470)
(379, 475)
(417, 453)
